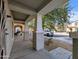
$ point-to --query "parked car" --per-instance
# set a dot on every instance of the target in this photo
(48, 33)
(16, 33)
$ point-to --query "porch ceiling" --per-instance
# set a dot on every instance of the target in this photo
(21, 9)
(31, 4)
(19, 16)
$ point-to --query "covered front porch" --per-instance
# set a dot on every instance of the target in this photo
(26, 44)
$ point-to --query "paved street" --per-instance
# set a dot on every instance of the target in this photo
(62, 36)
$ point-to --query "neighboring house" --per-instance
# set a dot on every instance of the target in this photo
(72, 27)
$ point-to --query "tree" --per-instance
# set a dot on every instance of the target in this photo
(58, 16)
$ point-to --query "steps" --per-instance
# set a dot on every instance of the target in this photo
(60, 53)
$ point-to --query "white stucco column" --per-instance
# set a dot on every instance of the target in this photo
(26, 31)
(0, 35)
(9, 34)
(38, 40)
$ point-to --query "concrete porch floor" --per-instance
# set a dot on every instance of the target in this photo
(23, 50)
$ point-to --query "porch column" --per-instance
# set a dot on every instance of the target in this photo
(26, 31)
(38, 39)
(9, 35)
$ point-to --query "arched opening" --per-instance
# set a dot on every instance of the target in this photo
(18, 28)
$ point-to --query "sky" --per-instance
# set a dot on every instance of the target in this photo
(74, 5)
